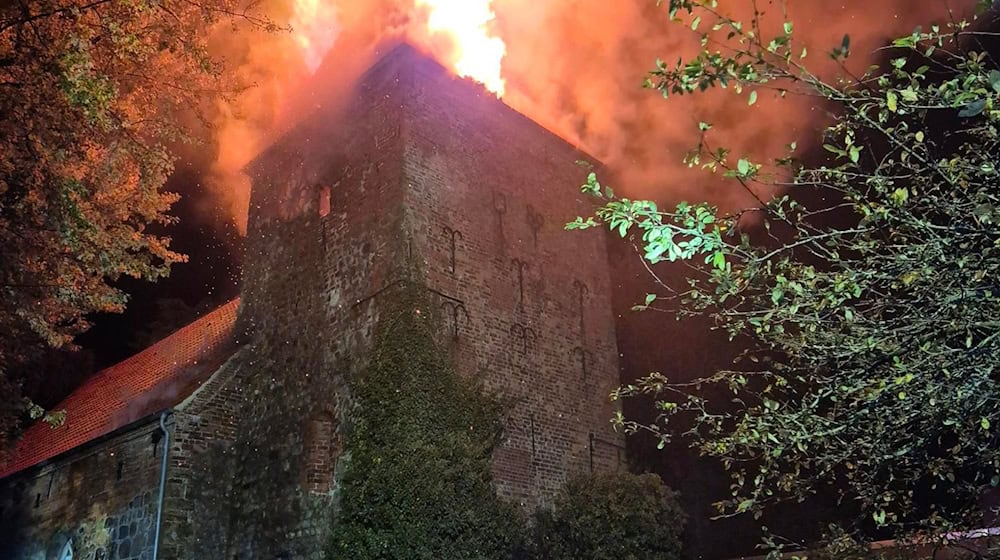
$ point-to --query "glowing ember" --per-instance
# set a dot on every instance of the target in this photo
(315, 28)
(477, 53)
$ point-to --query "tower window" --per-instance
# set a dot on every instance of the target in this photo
(324, 201)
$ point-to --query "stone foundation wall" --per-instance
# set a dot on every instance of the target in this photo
(101, 499)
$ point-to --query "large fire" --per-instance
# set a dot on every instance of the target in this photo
(573, 67)
(477, 53)
(457, 32)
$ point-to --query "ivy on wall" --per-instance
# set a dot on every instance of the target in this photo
(417, 484)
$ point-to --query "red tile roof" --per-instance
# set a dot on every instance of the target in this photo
(157, 378)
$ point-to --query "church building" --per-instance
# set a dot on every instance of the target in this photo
(223, 440)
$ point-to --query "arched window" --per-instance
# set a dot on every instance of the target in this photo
(67, 551)
(322, 447)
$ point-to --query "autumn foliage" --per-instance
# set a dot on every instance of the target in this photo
(93, 96)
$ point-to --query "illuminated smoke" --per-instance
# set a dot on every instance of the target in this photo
(577, 68)
(315, 29)
(573, 66)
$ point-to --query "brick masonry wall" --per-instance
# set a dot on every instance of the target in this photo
(198, 511)
(526, 304)
(246, 480)
(101, 497)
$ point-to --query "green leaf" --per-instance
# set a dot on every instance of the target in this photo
(743, 166)
(696, 23)
(834, 150)
(972, 108)
(650, 298)
(891, 98)
(907, 41)
(984, 423)
(753, 98)
(34, 411)
(879, 518)
(655, 250)
(900, 196)
(719, 260)
(855, 153)
(844, 50)
(788, 28)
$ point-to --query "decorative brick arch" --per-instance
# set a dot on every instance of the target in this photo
(322, 446)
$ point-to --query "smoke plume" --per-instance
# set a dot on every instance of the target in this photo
(575, 67)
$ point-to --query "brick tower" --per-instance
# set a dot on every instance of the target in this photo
(424, 178)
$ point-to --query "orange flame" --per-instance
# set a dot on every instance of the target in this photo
(478, 53)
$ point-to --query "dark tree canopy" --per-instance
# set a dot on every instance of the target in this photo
(611, 516)
(870, 297)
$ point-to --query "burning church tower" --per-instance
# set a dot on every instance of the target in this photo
(429, 179)
(420, 179)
